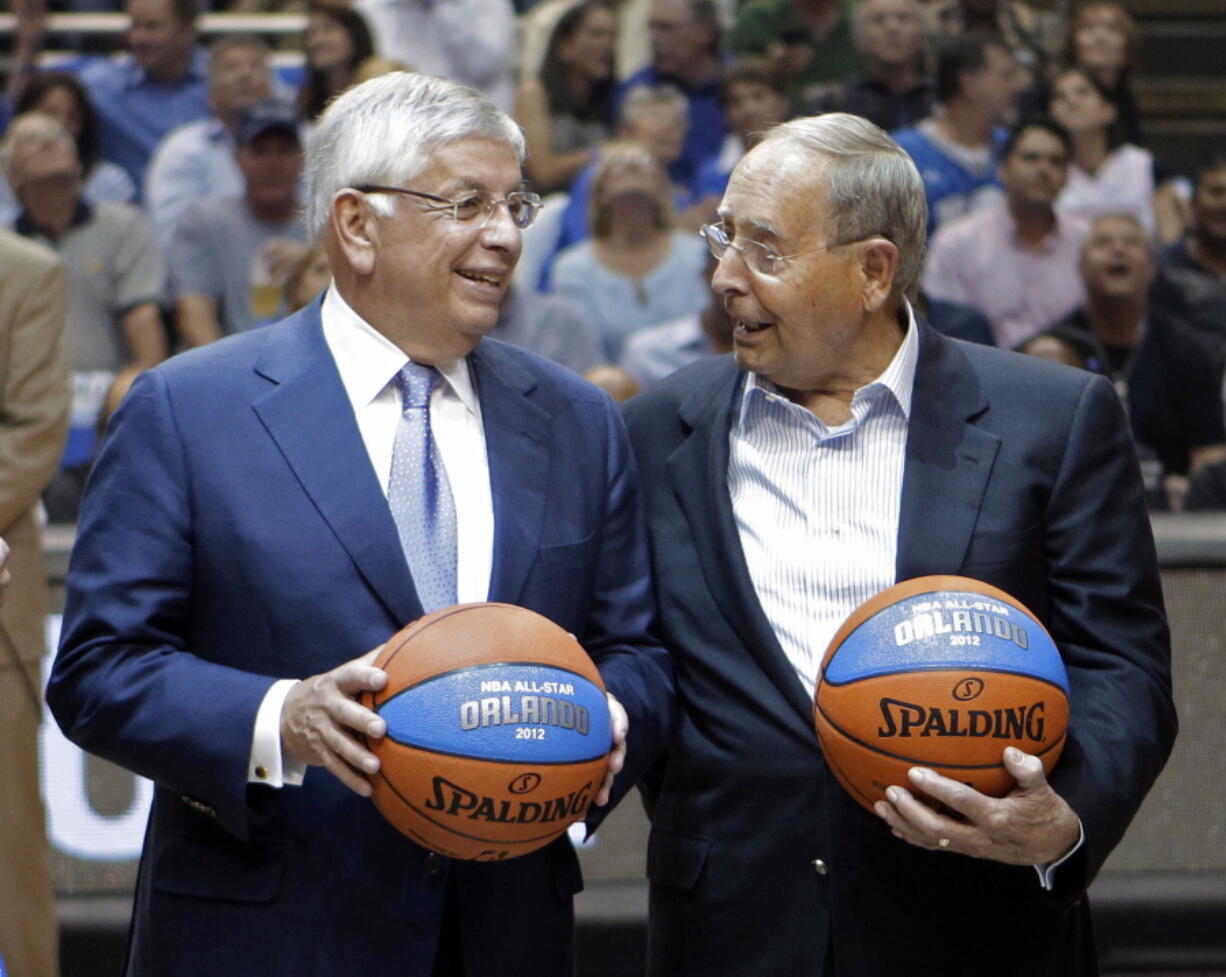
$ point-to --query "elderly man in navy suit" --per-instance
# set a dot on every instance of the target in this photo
(846, 446)
(267, 510)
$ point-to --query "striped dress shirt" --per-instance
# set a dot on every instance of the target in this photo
(817, 507)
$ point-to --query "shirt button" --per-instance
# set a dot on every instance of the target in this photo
(261, 772)
(820, 867)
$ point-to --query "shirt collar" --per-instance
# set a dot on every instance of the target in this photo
(896, 381)
(26, 227)
(368, 361)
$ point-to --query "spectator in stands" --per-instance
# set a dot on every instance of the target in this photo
(1107, 174)
(654, 118)
(34, 395)
(307, 279)
(337, 41)
(196, 161)
(653, 353)
(1160, 367)
(685, 53)
(633, 50)
(115, 272)
(894, 91)
(469, 41)
(754, 98)
(958, 150)
(553, 326)
(1029, 33)
(1207, 488)
(1015, 261)
(161, 84)
(1102, 38)
(567, 110)
(614, 381)
(1193, 269)
(809, 42)
(222, 267)
(61, 96)
(636, 271)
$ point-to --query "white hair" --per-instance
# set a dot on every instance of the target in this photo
(872, 187)
(383, 131)
(30, 131)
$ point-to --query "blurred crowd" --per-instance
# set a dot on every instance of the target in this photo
(167, 178)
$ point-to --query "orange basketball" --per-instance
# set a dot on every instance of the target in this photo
(942, 672)
(498, 731)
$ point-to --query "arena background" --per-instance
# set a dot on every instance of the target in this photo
(1160, 902)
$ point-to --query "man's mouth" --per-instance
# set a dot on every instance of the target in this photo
(493, 279)
(743, 327)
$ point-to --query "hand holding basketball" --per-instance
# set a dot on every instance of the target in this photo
(1031, 825)
(321, 715)
(617, 758)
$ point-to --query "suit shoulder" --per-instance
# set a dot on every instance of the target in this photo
(36, 258)
(553, 377)
(665, 398)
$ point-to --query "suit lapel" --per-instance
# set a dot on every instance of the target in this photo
(308, 415)
(516, 443)
(948, 460)
(699, 472)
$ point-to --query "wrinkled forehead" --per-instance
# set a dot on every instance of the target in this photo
(777, 190)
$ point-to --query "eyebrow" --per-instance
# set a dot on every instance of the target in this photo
(764, 227)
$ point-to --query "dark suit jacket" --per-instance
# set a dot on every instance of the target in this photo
(1019, 473)
(235, 532)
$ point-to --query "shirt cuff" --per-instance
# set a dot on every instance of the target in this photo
(1047, 871)
(267, 766)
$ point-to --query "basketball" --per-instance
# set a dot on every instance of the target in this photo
(498, 731)
(942, 672)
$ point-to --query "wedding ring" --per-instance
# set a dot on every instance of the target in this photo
(943, 843)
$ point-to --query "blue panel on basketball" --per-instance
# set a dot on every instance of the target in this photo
(506, 712)
(947, 629)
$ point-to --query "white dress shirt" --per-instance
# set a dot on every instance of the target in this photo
(817, 507)
(368, 363)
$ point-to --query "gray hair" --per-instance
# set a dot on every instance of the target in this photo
(384, 130)
(30, 130)
(872, 187)
(640, 98)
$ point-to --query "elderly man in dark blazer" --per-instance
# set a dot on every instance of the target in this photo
(843, 447)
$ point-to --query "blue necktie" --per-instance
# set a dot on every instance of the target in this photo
(420, 495)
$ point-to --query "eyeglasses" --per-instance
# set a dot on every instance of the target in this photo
(760, 257)
(522, 205)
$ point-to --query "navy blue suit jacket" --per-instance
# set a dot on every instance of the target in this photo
(234, 532)
(1017, 472)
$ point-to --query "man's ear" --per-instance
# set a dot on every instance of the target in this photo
(879, 263)
(355, 230)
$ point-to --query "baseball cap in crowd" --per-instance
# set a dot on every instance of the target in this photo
(269, 115)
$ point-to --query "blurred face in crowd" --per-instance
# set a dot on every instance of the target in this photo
(1100, 39)
(753, 107)
(271, 165)
(1116, 262)
(44, 171)
(1078, 105)
(238, 77)
(327, 44)
(660, 128)
(61, 104)
(1035, 172)
(891, 32)
(451, 274)
(798, 325)
(1209, 208)
(678, 42)
(635, 190)
(589, 50)
(160, 43)
(994, 87)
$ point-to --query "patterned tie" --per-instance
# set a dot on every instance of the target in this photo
(420, 495)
